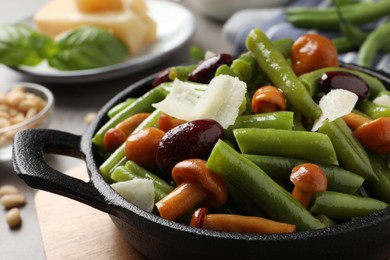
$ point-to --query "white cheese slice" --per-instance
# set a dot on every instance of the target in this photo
(221, 100)
(139, 192)
(383, 100)
(335, 104)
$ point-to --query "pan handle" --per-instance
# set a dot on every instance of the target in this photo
(29, 164)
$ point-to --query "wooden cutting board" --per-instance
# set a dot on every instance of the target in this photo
(72, 230)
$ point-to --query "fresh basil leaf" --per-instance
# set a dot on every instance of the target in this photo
(88, 47)
(21, 45)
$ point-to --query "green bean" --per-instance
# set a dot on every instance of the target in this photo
(311, 80)
(276, 120)
(362, 191)
(384, 93)
(117, 156)
(381, 188)
(122, 173)
(196, 54)
(299, 123)
(350, 153)
(343, 44)
(373, 43)
(224, 69)
(284, 46)
(351, 31)
(255, 183)
(312, 146)
(142, 104)
(244, 204)
(280, 167)
(181, 72)
(327, 19)
(344, 206)
(373, 110)
(281, 74)
(119, 107)
(142, 173)
(328, 222)
(244, 67)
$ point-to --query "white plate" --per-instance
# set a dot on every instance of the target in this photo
(175, 27)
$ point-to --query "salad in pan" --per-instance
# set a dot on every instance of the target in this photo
(280, 139)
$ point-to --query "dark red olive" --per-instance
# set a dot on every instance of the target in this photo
(161, 77)
(205, 71)
(194, 139)
(345, 80)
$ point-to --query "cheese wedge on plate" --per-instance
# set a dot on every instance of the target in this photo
(130, 21)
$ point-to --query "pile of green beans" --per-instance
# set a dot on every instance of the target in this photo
(258, 152)
(348, 19)
(328, 19)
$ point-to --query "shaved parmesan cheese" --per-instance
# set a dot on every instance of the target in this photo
(382, 101)
(335, 104)
(221, 101)
(180, 101)
(139, 192)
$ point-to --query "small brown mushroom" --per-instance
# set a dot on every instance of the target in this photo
(308, 179)
(268, 99)
(238, 223)
(197, 184)
(116, 136)
(167, 122)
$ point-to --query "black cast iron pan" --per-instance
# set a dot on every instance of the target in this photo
(365, 238)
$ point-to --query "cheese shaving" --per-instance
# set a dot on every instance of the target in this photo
(335, 104)
(221, 100)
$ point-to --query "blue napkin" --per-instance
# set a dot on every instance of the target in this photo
(273, 22)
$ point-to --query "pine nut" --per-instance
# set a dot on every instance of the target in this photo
(13, 200)
(4, 122)
(18, 105)
(8, 189)
(89, 117)
(15, 97)
(13, 218)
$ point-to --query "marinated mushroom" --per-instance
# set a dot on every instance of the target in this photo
(355, 120)
(141, 147)
(238, 223)
(268, 99)
(308, 179)
(116, 136)
(167, 122)
(196, 184)
(375, 135)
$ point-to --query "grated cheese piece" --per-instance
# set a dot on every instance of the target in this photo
(335, 104)
(221, 100)
(139, 192)
(383, 100)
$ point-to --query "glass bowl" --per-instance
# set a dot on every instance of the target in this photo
(39, 118)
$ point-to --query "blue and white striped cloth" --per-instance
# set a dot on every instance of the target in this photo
(273, 22)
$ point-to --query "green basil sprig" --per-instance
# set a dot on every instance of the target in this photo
(86, 47)
(21, 45)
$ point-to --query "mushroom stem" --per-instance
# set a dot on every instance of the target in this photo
(303, 197)
(114, 137)
(238, 223)
(181, 200)
(197, 184)
(308, 179)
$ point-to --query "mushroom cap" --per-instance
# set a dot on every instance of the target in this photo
(198, 217)
(309, 178)
(195, 171)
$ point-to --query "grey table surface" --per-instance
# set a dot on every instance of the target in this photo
(73, 102)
